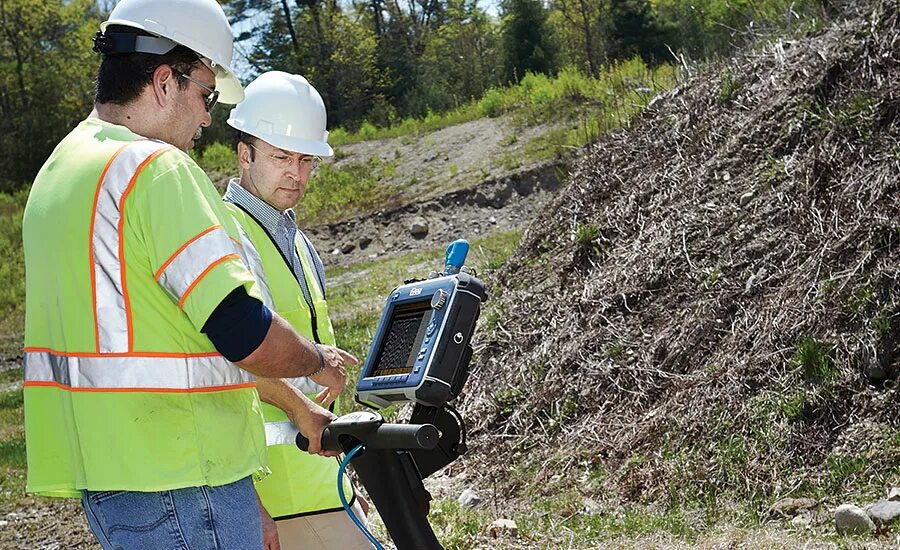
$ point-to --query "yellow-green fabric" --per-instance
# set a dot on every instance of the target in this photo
(143, 432)
(299, 483)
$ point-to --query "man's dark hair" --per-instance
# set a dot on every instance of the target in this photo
(123, 76)
(244, 137)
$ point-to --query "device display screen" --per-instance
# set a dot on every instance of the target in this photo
(404, 335)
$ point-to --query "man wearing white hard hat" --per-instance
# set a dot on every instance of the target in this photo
(144, 328)
(281, 138)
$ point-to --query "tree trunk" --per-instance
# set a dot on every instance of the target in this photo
(290, 26)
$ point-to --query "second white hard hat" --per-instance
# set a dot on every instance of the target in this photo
(200, 25)
(284, 110)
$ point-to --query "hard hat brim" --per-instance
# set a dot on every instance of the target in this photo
(294, 145)
(229, 88)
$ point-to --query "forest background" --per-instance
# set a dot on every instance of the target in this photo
(377, 63)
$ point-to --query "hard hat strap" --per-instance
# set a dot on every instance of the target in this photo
(112, 43)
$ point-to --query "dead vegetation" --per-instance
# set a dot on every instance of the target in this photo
(711, 309)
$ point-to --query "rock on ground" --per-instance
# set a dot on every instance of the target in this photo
(884, 512)
(852, 520)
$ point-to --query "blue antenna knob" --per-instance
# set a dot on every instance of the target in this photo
(456, 256)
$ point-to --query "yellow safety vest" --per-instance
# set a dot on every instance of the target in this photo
(299, 483)
(128, 250)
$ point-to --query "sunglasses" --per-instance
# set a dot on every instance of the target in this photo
(213, 96)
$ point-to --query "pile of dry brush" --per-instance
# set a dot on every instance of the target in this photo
(712, 305)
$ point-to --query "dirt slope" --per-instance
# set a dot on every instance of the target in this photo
(712, 306)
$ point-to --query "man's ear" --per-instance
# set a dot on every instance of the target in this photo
(243, 154)
(163, 82)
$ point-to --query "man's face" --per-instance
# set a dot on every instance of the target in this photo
(274, 175)
(189, 115)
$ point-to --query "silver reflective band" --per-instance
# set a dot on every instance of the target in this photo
(251, 257)
(146, 373)
(110, 313)
(281, 433)
(185, 268)
(153, 44)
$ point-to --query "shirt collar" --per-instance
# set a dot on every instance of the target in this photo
(260, 209)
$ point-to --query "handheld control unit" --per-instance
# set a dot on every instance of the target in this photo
(420, 354)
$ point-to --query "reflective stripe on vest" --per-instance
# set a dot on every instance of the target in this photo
(193, 260)
(162, 373)
(254, 263)
(281, 433)
(108, 277)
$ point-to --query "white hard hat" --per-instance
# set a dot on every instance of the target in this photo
(285, 111)
(200, 25)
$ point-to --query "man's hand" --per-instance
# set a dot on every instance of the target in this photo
(270, 532)
(311, 419)
(333, 377)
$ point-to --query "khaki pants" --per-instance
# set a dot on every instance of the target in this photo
(323, 531)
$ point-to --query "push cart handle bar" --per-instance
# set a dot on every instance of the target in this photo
(401, 437)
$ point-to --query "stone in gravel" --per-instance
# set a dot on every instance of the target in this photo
(364, 242)
(469, 498)
(419, 227)
(481, 200)
(802, 520)
(850, 520)
(894, 494)
(746, 198)
(492, 219)
(884, 511)
(503, 527)
(591, 507)
(336, 251)
(790, 507)
(347, 247)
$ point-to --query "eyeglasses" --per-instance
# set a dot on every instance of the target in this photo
(309, 162)
(213, 96)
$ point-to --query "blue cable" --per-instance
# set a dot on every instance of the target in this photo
(340, 487)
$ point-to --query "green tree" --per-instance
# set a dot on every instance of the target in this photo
(461, 58)
(633, 31)
(334, 51)
(46, 78)
(528, 44)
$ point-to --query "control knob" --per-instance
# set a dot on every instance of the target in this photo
(439, 299)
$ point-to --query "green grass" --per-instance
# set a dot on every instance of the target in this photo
(559, 521)
(10, 376)
(12, 452)
(815, 359)
(11, 399)
(729, 86)
(613, 96)
(12, 445)
(335, 193)
(12, 271)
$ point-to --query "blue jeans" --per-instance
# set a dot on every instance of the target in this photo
(193, 518)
